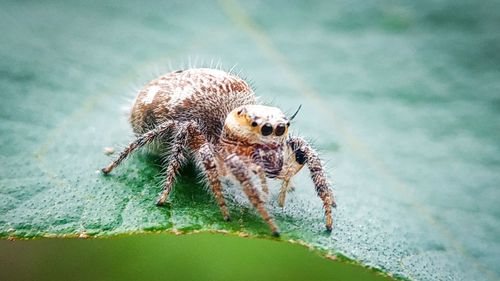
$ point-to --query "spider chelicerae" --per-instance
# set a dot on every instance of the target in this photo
(215, 117)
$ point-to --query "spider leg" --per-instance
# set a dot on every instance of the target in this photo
(287, 186)
(262, 177)
(318, 175)
(293, 165)
(205, 154)
(140, 142)
(241, 172)
(209, 161)
(176, 158)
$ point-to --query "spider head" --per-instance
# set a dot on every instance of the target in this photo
(257, 124)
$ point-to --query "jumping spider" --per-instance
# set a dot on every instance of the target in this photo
(215, 117)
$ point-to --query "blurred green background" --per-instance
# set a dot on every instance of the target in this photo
(170, 257)
(401, 98)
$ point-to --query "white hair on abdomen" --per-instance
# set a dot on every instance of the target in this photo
(152, 91)
(180, 94)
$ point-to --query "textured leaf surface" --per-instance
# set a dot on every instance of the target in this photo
(400, 98)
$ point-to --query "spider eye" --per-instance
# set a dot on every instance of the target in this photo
(254, 124)
(280, 129)
(266, 129)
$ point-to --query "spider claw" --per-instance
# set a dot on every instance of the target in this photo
(162, 202)
(329, 228)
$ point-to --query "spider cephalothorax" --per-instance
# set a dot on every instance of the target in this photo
(217, 117)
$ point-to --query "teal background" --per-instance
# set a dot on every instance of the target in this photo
(401, 98)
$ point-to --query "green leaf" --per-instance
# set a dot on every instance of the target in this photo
(401, 99)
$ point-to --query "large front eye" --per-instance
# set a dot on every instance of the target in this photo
(266, 129)
(280, 129)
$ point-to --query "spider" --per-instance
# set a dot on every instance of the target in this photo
(214, 116)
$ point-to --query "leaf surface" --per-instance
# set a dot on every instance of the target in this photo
(401, 100)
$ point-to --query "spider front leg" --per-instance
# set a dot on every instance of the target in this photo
(259, 171)
(293, 164)
(286, 187)
(306, 154)
(242, 173)
(140, 142)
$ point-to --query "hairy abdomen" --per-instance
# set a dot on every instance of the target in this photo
(202, 95)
